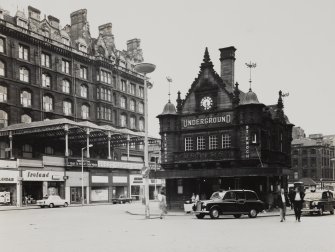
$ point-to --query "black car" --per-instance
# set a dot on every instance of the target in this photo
(319, 202)
(232, 202)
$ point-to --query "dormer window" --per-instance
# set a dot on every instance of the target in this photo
(22, 23)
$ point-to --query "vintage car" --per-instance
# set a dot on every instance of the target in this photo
(232, 202)
(318, 202)
(121, 200)
(52, 201)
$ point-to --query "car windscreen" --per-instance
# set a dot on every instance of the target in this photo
(216, 195)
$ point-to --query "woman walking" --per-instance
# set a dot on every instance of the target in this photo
(162, 203)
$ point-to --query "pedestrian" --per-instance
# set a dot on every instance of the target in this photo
(197, 198)
(193, 198)
(281, 202)
(291, 195)
(162, 203)
(298, 200)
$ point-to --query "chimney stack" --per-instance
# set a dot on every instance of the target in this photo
(227, 59)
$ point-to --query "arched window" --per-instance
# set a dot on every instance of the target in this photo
(123, 102)
(123, 120)
(83, 91)
(26, 118)
(141, 124)
(132, 122)
(26, 98)
(3, 119)
(66, 86)
(3, 93)
(132, 105)
(2, 68)
(141, 107)
(67, 108)
(85, 111)
(27, 151)
(46, 80)
(24, 74)
(47, 103)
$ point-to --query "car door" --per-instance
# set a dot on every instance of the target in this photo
(229, 202)
(241, 204)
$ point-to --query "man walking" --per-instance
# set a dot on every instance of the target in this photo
(298, 200)
(281, 202)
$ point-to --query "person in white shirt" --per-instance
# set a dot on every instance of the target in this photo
(298, 200)
(282, 201)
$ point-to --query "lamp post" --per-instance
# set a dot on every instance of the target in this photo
(146, 68)
(82, 172)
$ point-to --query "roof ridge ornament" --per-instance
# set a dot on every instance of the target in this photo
(169, 79)
(207, 63)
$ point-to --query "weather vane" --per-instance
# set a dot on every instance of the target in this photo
(169, 79)
(250, 65)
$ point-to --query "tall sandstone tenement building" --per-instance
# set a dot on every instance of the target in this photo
(219, 138)
(61, 91)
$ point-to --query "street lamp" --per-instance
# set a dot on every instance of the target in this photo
(146, 68)
(82, 172)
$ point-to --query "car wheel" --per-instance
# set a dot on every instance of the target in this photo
(321, 211)
(66, 204)
(237, 216)
(51, 205)
(200, 216)
(214, 213)
(252, 213)
(332, 211)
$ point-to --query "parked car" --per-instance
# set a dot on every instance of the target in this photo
(52, 201)
(319, 202)
(232, 202)
(121, 199)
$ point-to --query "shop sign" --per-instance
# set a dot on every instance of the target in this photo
(246, 141)
(206, 120)
(99, 179)
(120, 179)
(77, 162)
(42, 176)
(119, 165)
(8, 177)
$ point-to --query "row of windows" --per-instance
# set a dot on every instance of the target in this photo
(107, 114)
(211, 142)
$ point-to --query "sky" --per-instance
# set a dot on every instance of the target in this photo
(292, 43)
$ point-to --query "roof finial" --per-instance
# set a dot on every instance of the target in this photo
(250, 65)
(206, 56)
(169, 79)
(207, 61)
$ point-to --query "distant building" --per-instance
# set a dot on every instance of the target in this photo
(219, 138)
(311, 158)
(298, 133)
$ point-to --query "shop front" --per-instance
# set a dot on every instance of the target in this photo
(99, 187)
(8, 187)
(73, 187)
(37, 184)
(120, 186)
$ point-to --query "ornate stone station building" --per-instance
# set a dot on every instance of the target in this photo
(219, 137)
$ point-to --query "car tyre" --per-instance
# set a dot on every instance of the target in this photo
(200, 216)
(252, 213)
(51, 205)
(214, 213)
(237, 216)
(332, 212)
(66, 204)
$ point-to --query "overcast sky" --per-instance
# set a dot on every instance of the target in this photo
(292, 42)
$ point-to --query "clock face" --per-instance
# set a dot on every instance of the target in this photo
(206, 102)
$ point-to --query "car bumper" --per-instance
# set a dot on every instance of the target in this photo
(201, 212)
(308, 210)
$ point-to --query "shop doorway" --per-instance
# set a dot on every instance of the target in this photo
(120, 190)
(32, 191)
(76, 195)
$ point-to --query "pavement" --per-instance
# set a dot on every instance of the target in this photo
(137, 208)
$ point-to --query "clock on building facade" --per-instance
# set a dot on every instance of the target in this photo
(206, 103)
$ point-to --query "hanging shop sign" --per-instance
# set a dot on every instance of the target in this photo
(203, 121)
(42, 175)
(8, 177)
